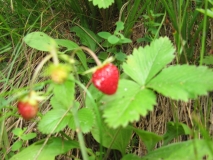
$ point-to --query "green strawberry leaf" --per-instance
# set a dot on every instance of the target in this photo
(148, 138)
(113, 138)
(129, 102)
(146, 62)
(40, 41)
(54, 147)
(54, 120)
(191, 149)
(102, 3)
(63, 94)
(174, 130)
(183, 82)
(86, 119)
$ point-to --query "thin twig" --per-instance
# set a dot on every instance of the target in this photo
(38, 68)
(91, 53)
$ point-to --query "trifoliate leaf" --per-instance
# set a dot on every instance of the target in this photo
(113, 138)
(191, 149)
(102, 3)
(146, 62)
(54, 147)
(183, 82)
(54, 119)
(86, 119)
(128, 104)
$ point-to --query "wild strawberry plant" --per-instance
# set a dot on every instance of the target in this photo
(111, 105)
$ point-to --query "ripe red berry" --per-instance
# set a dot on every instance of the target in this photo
(27, 110)
(28, 105)
(106, 78)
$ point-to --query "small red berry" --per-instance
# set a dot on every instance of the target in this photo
(106, 78)
(28, 105)
(27, 109)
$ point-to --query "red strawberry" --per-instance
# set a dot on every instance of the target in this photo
(106, 78)
(28, 106)
(27, 109)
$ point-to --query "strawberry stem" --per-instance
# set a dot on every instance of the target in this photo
(38, 68)
(92, 54)
(53, 52)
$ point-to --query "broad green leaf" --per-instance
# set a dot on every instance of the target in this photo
(104, 35)
(17, 145)
(102, 3)
(113, 39)
(150, 139)
(189, 150)
(40, 41)
(182, 82)
(28, 136)
(53, 119)
(208, 60)
(86, 119)
(54, 147)
(70, 45)
(128, 104)
(146, 62)
(64, 94)
(18, 132)
(174, 130)
(87, 37)
(113, 138)
(130, 157)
